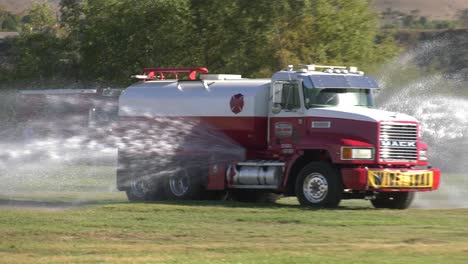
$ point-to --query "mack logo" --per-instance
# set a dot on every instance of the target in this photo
(389, 143)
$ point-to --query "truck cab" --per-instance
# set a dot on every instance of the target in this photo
(326, 114)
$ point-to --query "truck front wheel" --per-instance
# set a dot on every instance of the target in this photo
(319, 185)
(393, 200)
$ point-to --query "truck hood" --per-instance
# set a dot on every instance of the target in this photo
(359, 113)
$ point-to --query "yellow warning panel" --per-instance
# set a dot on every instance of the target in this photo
(400, 179)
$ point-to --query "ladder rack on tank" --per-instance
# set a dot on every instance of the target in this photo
(160, 73)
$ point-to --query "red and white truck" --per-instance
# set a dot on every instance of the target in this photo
(310, 132)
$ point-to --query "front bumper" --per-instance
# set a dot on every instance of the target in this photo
(391, 179)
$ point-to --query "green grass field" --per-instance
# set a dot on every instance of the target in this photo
(84, 220)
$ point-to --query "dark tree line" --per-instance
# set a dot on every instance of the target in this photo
(109, 40)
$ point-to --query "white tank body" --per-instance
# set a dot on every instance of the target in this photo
(191, 98)
(238, 108)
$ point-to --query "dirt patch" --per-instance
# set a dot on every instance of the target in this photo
(422, 241)
(36, 205)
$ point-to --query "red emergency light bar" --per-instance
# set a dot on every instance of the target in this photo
(158, 73)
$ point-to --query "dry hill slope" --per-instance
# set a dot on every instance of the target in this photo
(433, 9)
(19, 6)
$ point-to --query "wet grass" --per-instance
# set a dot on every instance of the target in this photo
(54, 226)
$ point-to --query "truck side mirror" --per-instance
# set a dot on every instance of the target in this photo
(277, 100)
(277, 93)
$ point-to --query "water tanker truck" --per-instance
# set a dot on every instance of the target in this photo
(310, 131)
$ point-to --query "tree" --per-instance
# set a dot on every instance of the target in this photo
(463, 18)
(331, 31)
(233, 36)
(37, 56)
(8, 21)
(40, 18)
(37, 52)
(109, 40)
(423, 21)
(72, 23)
(71, 13)
(119, 38)
(256, 37)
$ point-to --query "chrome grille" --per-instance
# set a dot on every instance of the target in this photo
(398, 142)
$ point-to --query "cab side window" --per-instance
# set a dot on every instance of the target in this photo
(290, 96)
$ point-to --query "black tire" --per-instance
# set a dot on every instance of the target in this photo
(144, 190)
(253, 196)
(138, 177)
(393, 200)
(319, 185)
(184, 184)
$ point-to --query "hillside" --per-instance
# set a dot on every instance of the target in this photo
(433, 9)
(19, 6)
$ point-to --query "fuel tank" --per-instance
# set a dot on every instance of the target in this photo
(237, 108)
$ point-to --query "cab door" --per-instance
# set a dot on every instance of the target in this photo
(286, 116)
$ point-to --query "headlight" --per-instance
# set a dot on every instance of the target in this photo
(350, 153)
(423, 154)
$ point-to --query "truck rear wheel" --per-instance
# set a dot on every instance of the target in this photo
(184, 185)
(319, 185)
(393, 200)
(139, 178)
(144, 190)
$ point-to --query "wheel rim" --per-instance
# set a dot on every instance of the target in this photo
(315, 187)
(179, 183)
(138, 188)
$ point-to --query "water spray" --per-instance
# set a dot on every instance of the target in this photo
(439, 101)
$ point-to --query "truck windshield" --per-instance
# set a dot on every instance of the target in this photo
(337, 97)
